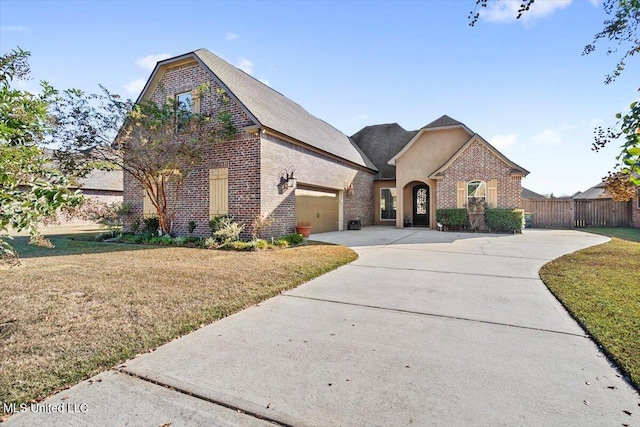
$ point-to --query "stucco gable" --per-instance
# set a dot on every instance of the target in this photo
(442, 124)
(516, 170)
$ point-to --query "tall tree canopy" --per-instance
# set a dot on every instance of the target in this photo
(30, 188)
(158, 144)
(620, 30)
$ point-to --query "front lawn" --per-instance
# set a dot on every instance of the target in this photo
(632, 234)
(600, 286)
(83, 307)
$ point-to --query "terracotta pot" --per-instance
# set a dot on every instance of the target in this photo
(304, 230)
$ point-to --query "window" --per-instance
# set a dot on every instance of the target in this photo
(387, 203)
(184, 109)
(476, 190)
(184, 102)
(638, 198)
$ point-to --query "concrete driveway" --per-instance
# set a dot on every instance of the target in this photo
(425, 328)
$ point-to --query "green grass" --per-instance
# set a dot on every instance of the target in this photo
(631, 234)
(600, 286)
(84, 307)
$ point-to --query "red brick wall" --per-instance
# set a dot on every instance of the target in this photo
(254, 163)
(241, 155)
(477, 162)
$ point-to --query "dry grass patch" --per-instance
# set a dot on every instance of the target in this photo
(83, 307)
(600, 286)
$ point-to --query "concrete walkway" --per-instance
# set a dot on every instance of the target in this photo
(425, 328)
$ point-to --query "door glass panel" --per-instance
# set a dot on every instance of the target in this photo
(421, 201)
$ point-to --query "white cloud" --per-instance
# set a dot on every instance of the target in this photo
(363, 116)
(547, 136)
(245, 65)
(507, 10)
(15, 29)
(149, 62)
(231, 36)
(265, 81)
(135, 86)
(502, 142)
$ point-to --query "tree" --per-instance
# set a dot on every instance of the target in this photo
(30, 188)
(158, 144)
(621, 30)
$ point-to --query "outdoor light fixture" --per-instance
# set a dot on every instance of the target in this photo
(349, 188)
(287, 180)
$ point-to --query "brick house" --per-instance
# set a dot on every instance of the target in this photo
(367, 177)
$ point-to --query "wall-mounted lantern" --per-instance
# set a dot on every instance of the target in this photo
(349, 189)
(287, 180)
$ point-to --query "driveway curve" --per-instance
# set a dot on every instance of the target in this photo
(425, 328)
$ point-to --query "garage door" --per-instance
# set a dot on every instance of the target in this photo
(320, 208)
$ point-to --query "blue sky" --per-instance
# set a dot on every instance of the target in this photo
(522, 85)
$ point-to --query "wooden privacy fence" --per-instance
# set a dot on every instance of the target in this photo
(556, 213)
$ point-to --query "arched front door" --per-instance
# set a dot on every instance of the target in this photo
(421, 205)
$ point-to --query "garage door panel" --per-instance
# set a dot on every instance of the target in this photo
(319, 208)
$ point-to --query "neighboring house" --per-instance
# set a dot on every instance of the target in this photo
(531, 195)
(598, 192)
(381, 175)
(105, 186)
(594, 193)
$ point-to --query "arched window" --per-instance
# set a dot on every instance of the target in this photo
(476, 190)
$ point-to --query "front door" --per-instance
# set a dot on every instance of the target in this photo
(421, 206)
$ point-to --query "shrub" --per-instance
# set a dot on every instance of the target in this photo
(179, 241)
(227, 230)
(160, 240)
(216, 222)
(293, 239)
(192, 226)
(239, 245)
(151, 225)
(210, 243)
(260, 244)
(135, 226)
(508, 220)
(453, 218)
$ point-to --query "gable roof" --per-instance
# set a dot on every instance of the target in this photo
(270, 109)
(380, 143)
(515, 169)
(528, 194)
(595, 192)
(443, 122)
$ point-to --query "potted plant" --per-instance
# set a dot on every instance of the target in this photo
(304, 228)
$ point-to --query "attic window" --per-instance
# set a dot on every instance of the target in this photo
(184, 109)
(183, 101)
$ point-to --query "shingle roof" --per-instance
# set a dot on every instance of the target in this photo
(595, 192)
(103, 180)
(443, 122)
(382, 142)
(275, 111)
(528, 194)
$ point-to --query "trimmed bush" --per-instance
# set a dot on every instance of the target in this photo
(507, 220)
(151, 225)
(453, 218)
